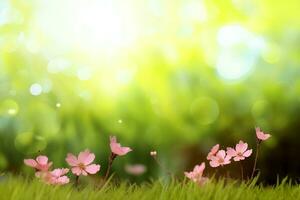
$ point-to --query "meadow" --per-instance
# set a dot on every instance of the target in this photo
(17, 188)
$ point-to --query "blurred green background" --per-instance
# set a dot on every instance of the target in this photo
(177, 76)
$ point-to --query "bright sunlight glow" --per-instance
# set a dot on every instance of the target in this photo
(89, 25)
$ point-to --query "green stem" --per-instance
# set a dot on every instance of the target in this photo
(161, 166)
(242, 170)
(77, 181)
(255, 161)
(110, 162)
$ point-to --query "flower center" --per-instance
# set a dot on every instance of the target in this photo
(239, 154)
(221, 160)
(81, 166)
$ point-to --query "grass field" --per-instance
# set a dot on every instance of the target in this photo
(19, 188)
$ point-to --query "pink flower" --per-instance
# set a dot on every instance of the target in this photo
(56, 177)
(261, 135)
(213, 151)
(81, 165)
(40, 163)
(137, 169)
(220, 159)
(116, 147)
(196, 174)
(240, 152)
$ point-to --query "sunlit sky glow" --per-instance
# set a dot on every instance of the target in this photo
(110, 44)
(91, 25)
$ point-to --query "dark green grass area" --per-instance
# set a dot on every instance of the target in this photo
(20, 188)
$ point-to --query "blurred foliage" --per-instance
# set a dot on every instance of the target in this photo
(176, 76)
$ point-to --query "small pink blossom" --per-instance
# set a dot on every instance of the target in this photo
(220, 159)
(153, 153)
(197, 174)
(56, 177)
(81, 165)
(137, 169)
(40, 163)
(213, 151)
(240, 152)
(116, 148)
(261, 135)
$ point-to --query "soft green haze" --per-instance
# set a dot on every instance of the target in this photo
(176, 76)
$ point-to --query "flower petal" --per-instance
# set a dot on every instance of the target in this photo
(30, 162)
(209, 156)
(214, 163)
(92, 169)
(238, 158)
(56, 172)
(59, 172)
(125, 150)
(215, 149)
(231, 152)
(63, 180)
(248, 153)
(77, 171)
(116, 148)
(86, 157)
(241, 147)
(227, 160)
(188, 175)
(221, 154)
(113, 139)
(84, 173)
(42, 160)
(71, 160)
(199, 168)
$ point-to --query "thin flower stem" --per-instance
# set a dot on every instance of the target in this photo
(242, 171)
(216, 173)
(256, 157)
(77, 181)
(228, 174)
(110, 162)
(161, 166)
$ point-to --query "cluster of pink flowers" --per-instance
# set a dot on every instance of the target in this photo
(219, 157)
(80, 165)
(83, 163)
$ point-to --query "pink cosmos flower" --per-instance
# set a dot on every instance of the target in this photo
(213, 151)
(261, 135)
(240, 152)
(220, 159)
(81, 165)
(196, 174)
(40, 163)
(137, 169)
(57, 177)
(116, 148)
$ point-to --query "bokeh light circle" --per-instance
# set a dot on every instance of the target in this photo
(239, 52)
(36, 89)
(9, 107)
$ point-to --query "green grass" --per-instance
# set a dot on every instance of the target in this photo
(19, 188)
